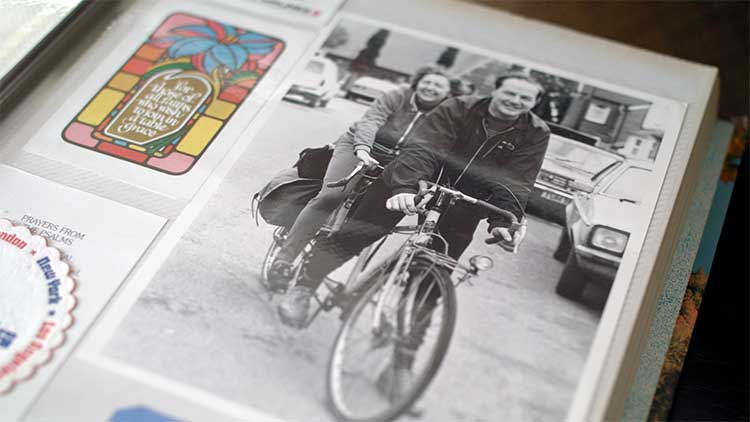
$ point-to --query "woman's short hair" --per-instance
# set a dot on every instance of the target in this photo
(522, 76)
(427, 70)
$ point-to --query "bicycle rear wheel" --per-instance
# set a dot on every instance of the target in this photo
(377, 372)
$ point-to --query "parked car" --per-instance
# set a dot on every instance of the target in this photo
(570, 165)
(368, 89)
(317, 83)
(597, 227)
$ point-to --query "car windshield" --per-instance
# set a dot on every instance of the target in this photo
(314, 67)
(586, 160)
(629, 184)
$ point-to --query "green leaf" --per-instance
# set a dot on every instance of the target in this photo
(168, 66)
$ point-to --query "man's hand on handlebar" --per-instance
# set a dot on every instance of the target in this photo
(409, 203)
(403, 202)
(506, 238)
(366, 158)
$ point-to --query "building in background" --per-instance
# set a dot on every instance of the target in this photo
(619, 122)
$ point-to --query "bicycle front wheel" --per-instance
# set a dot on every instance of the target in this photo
(391, 344)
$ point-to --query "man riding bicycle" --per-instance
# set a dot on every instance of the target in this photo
(490, 148)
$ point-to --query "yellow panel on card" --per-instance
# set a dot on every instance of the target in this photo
(100, 106)
(123, 81)
(220, 109)
(199, 136)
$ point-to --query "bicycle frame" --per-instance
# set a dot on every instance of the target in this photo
(393, 304)
(422, 242)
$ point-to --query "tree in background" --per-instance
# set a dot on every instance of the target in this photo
(366, 58)
(339, 36)
(447, 57)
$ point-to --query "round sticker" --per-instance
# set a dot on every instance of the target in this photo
(36, 303)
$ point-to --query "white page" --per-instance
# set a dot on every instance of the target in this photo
(100, 239)
(115, 47)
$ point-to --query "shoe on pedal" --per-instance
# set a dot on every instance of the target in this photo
(294, 307)
(279, 274)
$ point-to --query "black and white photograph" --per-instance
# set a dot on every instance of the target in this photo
(421, 231)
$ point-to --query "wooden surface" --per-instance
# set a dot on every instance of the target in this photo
(714, 382)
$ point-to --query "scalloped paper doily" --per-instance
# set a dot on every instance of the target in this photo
(36, 303)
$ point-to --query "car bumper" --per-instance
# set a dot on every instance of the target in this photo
(601, 265)
(302, 94)
(547, 201)
(364, 95)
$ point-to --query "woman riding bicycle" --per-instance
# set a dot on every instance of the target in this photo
(491, 147)
(375, 139)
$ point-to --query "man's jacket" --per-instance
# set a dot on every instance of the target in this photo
(499, 169)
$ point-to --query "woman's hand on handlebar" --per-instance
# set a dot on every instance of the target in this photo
(366, 158)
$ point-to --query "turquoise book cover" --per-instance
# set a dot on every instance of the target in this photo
(683, 329)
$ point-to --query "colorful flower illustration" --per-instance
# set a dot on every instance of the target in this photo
(164, 107)
(213, 45)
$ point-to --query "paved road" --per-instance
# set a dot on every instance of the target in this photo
(517, 352)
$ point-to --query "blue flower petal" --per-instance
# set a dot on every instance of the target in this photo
(239, 54)
(209, 62)
(257, 44)
(229, 30)
(258, 48)
(251, 37)
(200, 29)
(229, 57)
(190, 46)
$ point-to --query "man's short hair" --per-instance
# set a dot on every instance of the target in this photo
(522, 76)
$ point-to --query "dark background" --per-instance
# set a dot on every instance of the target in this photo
(714, 381)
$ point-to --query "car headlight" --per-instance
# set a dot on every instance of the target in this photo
(608, 239)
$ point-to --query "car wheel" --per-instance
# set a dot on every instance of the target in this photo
(563, 246)
(349, 96)
(323, 103)
(572, 281)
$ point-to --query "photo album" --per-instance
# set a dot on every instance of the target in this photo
(337, 210)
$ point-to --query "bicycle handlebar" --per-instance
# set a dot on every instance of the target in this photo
(343, 181)
(471, 200)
